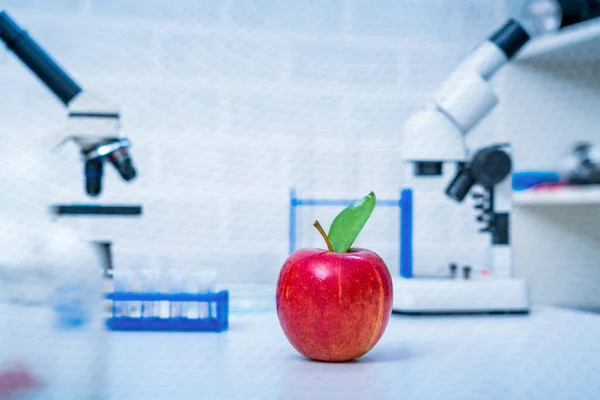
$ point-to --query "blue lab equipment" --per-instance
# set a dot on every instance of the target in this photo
(216, 320)
(72, 305)
(406, 216)
(525, 179)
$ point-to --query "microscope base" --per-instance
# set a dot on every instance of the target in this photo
(453, 296)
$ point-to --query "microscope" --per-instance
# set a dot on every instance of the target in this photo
(434, 137)
(93, 125)
(93, 122)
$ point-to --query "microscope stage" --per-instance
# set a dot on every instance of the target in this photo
(96, 209)
(460, 296)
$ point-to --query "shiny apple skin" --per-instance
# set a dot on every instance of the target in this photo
(334, 306)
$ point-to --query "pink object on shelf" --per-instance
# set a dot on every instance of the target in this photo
(549, 186)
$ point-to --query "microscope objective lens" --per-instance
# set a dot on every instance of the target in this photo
(93, 177)
(121, 160)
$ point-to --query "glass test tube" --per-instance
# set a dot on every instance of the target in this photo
(122, 282)
(148, 284)
(177, 309)
(203, 282)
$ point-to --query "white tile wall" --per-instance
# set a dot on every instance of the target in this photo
(228, 104)
(307, 17)
(185, 11)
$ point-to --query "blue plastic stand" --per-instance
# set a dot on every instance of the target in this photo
(216, 321)
(405, 204)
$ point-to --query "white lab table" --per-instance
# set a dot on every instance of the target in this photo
(550, 354)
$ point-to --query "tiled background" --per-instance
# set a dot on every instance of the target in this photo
(230, 103)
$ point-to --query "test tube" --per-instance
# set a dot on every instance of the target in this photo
(122, 283)
(148, 284)
(203, 282)
(176, 285)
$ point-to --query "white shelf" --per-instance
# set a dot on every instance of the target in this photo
(582, 38)
(586, 195)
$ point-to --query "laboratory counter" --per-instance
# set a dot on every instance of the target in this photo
(551, 353)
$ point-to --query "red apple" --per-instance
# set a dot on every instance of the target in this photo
(334, 306)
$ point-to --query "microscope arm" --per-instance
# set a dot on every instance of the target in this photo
(38, 61)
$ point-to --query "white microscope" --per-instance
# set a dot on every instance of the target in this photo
(93, 125)
(434, 137)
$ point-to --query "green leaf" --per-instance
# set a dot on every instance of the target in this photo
(347, 225)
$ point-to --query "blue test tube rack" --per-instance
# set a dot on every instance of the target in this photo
(216, 321)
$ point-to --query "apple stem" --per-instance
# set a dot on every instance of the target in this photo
(322, 232)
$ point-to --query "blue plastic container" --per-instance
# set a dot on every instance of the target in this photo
(524, 180)
(217, 319)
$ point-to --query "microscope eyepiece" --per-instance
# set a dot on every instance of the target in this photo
(121, 160)
(510, 38)
(93, 176)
